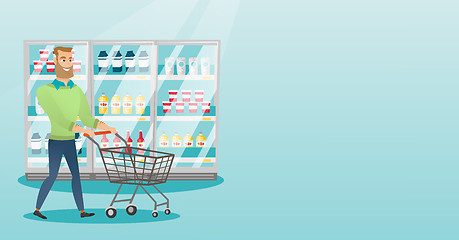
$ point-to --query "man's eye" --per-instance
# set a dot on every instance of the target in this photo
(70, 60)
(63, 60)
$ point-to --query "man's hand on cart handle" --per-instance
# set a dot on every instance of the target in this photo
(97, 133)
(89, 133)
(80, 129)
(102, 126)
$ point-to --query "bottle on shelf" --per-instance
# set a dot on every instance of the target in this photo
(140, 104)
(117, 62)
(127, 104)
(129, 142)
(144, 61)
(205, 66)
(38, 109)
(117, 143)
(140, 143)
(176, 140)
(35, 143)
(130, 61)
(169, 65)
(188, 140)
(181, 66)
(102, 61)
(103, 104)
(104, 142)
(193, 66)
(200, 140)
(164, 140)
(116, 104)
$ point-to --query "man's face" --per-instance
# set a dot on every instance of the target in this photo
(64, 65)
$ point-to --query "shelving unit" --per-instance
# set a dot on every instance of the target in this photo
(36, 165)
(186, 77)
(153, 84)
(194, 162)
(122, 78)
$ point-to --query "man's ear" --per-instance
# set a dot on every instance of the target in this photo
(55, 60)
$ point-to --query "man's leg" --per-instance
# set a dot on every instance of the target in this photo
(72, 161)
(55, 157)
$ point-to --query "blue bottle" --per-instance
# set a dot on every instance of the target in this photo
(117, 62)
(102, 61)
(129, 61)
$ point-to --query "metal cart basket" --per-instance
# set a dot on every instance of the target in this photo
(136, 166)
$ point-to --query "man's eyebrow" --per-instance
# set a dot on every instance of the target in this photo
(61, 57)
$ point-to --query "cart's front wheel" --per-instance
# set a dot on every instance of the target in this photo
(154, 213)
(131, 209)
(167, 211)
(110, 212)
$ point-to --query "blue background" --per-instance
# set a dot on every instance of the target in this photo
(338, 119)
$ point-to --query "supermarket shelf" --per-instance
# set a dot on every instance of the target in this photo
(185, 77)
(122, 77)
(199, 113)
(123, 118)
(103, 176)
(109, 114)
(185, 118)
(42, 118)
(178, 163)
(62, 176)
(194, 160)
(52, 77)
(176, 160)
(192, 152)
(38, 118)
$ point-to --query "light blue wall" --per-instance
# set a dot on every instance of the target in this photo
(338, 119)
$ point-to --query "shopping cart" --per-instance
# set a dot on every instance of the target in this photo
(135, 166)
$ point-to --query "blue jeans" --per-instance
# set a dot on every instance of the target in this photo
(56, 149)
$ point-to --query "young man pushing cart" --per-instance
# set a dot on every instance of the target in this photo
(63, 101)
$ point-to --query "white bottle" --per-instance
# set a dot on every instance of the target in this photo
(35, 143)
(38, 108)
(205, 66)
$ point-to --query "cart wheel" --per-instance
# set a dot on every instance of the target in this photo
(131, 209)
(110, 212)
(167, 211)
(155, 213)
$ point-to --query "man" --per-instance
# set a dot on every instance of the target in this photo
(63, 101)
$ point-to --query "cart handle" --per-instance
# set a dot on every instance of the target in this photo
(105, 132)
(98, 133)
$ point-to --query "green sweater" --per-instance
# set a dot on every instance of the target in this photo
(63, 106)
